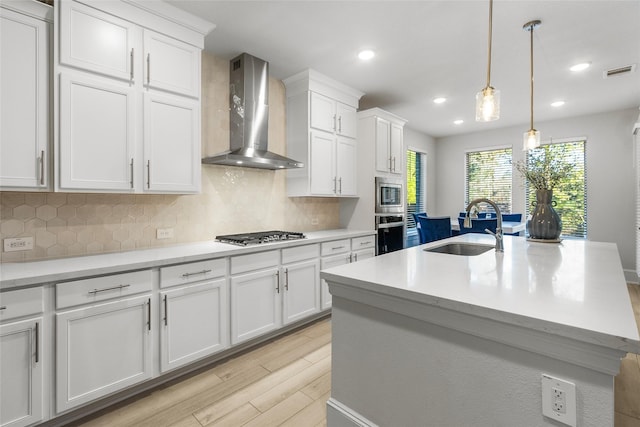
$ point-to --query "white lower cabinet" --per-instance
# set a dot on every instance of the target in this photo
(193, 323)
(21, 357)
(301, 296)
(341, 252)
(103, 336)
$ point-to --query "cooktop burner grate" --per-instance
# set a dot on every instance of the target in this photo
(245, 239)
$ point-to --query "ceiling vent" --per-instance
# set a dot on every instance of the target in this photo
(620, 71)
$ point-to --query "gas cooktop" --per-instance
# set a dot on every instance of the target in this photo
(244, 239)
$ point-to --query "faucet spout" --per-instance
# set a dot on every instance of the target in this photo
(498, 233)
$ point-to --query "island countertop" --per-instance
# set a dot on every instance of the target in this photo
(574, 289)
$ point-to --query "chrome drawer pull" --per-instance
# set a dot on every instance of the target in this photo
(166, 312)
(4, 307)
(119, 287)
(131, 64)
(42, 167)
(185, 275)
(337, 247)
(37, 342)
(278, 281)
(365, 243)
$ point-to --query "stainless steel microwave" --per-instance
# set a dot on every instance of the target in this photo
(389, 195)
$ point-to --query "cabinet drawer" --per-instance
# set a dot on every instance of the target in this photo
(300, 253)
(102, 288)
(192, 272)
(336, 247)
(358, 243)
(252, 262)
(22, 302)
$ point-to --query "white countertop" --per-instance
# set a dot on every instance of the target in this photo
(15, 275)
(575, 289)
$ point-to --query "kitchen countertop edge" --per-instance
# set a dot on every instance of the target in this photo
(35, 273)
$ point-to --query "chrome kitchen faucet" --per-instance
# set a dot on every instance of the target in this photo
(498, 233)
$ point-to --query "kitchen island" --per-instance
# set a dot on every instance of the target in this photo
(424, 338)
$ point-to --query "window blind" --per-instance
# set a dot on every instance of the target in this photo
(416, 168)
(488, 175)
(571, 193)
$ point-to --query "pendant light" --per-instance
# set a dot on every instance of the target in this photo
(531, 138)
(488, 99)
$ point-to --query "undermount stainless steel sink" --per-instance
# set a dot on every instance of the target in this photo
(464, 249)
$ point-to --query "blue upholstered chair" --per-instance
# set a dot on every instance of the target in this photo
(422, 238)
(479, 225)
(517, 217)
(435, 228)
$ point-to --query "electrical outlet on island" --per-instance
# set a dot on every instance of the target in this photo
(559, 400)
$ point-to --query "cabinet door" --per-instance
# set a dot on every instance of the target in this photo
(363, 254)
(323, 173)
(96, 41)
(21, 370)
(171, 65)
(96, 134)
(329, 262)
(24, 80)
(346, 166)
(255, 304)
(193, 323)
(301, 290)
(323, 116)
(396, 150)
(101, 349)
(383, 156)
(347, 120)
(171, 144)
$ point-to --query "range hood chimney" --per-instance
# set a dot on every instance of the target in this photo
(249, 118)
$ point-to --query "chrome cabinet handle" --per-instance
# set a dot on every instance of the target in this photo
(42, 167)
(349, 259)
(394, 164)
(4, 307)
(278, 281)
(340, 182)
(286, 279)
(148, 173)
(37, 342)
(365, 243)
(355, 257)
(131, 167)
(166, 312)
(119, 287)
(390, 169)
(149, 314)
(132, 64)
(334, 184)
(185, 275)
(148, 68)
(334, 123)
(340, 124)
(337, 247)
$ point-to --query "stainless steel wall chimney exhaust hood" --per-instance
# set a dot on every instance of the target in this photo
(249, 118)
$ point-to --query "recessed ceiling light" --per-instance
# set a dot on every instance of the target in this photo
(557, 103)
(366, 54)
(580, 67)
(439, 100)
(458, 122)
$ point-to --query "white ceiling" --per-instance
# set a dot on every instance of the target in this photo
(427, 49)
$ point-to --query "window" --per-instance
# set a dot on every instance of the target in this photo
(489, 176)
(416, 184)
(570, 195)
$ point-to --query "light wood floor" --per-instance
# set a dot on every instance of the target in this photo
(286, 382)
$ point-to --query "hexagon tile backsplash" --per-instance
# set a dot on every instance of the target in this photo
(69, 224)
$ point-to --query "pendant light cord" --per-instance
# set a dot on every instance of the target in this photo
(490, 32)
(531, 50)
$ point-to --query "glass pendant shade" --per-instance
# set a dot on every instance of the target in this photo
(487, 105)
(531, 140)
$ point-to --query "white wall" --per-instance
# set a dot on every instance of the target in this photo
(417, 141)
(610, 173)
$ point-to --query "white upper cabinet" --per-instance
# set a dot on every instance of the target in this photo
(24, 80)
(96, 41)
(321, 127)
(128, 90)
(171, 65)
(384, 131)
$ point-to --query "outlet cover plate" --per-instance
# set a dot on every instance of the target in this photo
(568, 416)
(164, 233)
(18, 244)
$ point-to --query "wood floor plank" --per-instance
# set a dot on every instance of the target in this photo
(313, 414)
(211, 413)
(291, 386)
(318, 388)
(281, 412)
(634, 294)
(238, 417)
(297, 352)
(627, 387)
(623, 420)
(319, 354)
(317, 329)
(226, 388)
(189, 421)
